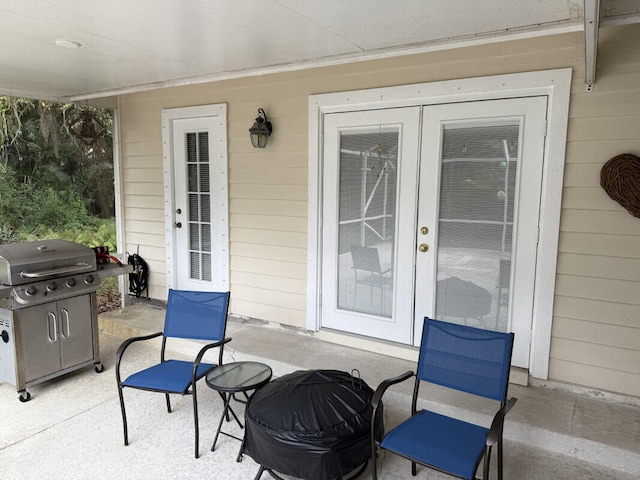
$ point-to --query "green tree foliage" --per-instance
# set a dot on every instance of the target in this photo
(56, 168)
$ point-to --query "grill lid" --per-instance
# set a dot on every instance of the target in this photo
(27, 262)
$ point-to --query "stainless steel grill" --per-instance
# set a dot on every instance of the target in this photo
(48, 311)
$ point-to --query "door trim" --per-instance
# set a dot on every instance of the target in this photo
(556, 84)
(170, 115)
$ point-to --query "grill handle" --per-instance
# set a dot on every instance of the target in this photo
(65, 321)
(78, 267)
(52, 333)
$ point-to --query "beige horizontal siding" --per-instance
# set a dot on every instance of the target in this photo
(269, 267)
(598, 311)
(270, 282)
(614, 291)
(617, 222)
(622, 360)
(270, 313)
(600, 244)
(597, 377)
(597, 303)
(588, 151)
(269, 237)
(596, 324)
(624, 338)
(270, 222)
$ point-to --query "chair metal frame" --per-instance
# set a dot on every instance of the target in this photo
(196, 371)
(494, 434)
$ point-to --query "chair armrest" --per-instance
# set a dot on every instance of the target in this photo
(204, 350)
(495, 432)
(376, 401)
(377, 395)
(126, 345)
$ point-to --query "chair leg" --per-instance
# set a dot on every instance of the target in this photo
(414, 470)
(195, 419)
(124, 416)
(487, 461)
(374, 461)
(500, 460)
(166, 395)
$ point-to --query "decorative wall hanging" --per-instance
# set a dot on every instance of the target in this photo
(620, 178)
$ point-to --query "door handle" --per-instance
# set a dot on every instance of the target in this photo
(423, 247)
(178, 224)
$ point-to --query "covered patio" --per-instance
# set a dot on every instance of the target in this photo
(579, 416)
(72, 426)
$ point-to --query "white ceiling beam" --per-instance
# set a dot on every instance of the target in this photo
(591, 26)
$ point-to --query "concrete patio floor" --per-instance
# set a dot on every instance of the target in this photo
(72, 428)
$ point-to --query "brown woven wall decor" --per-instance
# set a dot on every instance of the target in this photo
(620, 178)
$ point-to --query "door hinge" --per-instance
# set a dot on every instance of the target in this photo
(545, 127)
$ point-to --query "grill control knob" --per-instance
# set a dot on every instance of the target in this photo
(31, 290)
(89, 279)
(71, 282)
(52, 287)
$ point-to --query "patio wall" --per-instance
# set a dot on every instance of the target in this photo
(596, 325)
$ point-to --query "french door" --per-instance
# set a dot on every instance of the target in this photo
(371, 158)
(432, 211)
(478, 212)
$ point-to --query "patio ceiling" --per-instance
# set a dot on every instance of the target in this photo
(128, 46)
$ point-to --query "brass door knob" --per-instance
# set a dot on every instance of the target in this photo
(423, 247)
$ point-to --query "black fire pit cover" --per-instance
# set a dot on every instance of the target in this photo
(313, 424)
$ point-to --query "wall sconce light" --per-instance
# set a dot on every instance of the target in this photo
(260, 130)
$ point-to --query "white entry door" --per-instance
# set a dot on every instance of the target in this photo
(370, 178)
(445, 227)
(196, 209)
(478, 215)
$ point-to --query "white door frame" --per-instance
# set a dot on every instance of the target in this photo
(169, 116)
(556, 84)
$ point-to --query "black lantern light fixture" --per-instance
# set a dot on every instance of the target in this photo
(260, 130)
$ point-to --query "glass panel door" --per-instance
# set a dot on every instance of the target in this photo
(367, 270)
(479, 203)
(200, 212)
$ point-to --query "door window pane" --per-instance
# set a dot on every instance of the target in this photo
(476, 214)
(199, 214)
(368, 168)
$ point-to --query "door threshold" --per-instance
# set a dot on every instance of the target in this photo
(369, 344)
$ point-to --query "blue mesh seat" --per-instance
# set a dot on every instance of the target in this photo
(463, 358)
(190, 315)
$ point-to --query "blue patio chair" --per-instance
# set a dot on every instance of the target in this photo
(190, 315)
(462, 358)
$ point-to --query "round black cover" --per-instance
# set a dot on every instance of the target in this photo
(312, 424)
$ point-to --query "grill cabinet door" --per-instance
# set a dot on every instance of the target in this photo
(39, 338)
(76, 336)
